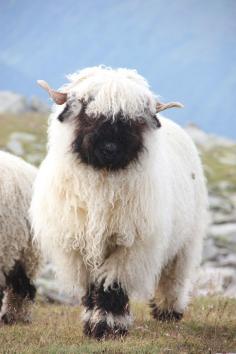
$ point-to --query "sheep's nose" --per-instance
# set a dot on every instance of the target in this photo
(109, 149)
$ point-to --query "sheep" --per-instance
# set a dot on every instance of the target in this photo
(19, 258)
(119, 203)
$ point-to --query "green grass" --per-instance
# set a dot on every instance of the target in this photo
(220, 165)
(31, 123)
(209, 326)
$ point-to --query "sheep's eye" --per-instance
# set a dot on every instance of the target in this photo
(156, 122)
(64, 114)
(71, 110)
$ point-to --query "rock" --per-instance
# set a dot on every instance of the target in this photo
(11, 102)
(225, 231)
(15, 147)
(220, 218)
(229, 260)
(49, 289)
(210, 251)
(207, 141)
(219, 203)
(24, 137)
(36, 105)
(215, 281)
(17, 141)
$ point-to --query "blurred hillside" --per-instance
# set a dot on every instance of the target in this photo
(186, 49)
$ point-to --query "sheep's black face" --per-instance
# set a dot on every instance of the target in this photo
(103, 142)
(106, 143)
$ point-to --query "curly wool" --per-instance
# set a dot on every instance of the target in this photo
(16, 179)
(127, 225)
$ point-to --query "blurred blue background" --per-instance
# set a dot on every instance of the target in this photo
(185, 48)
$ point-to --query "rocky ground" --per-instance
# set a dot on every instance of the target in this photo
(11, 102)
(218, 271)
(25, 135)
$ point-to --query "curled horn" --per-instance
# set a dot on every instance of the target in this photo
(58, 97)
(162, 106)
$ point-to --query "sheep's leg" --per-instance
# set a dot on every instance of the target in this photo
(107, 311)
(88, 301)
(1, 297)
(18, 296)
(175, 282)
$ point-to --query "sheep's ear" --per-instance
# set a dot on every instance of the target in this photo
(162, 106)
(58, 97)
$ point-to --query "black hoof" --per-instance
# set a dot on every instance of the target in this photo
(102, 330)
(8, 319)
(166, 315)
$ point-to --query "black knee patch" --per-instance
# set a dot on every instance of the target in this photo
(20, 283)
(113, 300)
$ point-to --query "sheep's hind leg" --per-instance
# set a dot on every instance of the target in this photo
(108, 313)
(173, 289)
(18, 296)
(1, 297)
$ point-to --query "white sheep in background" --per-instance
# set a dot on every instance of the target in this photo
(120, 200)
(19, 259)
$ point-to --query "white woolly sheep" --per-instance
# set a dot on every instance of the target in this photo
(120, 200)
(19, 259)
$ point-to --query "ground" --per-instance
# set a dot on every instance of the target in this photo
(209, 326)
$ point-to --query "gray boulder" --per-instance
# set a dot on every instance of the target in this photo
(11, 102)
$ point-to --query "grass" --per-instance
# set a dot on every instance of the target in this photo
(209, 326)
(220, 165)
(30, 123)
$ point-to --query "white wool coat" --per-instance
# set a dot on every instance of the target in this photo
(16, 179)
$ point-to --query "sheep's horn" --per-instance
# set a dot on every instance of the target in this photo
(57, 96)
(162, 106)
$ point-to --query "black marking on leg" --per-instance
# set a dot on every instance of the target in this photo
(20, 283)
(113, 300)
(88, 300)
(1, 297)
(101, 330)
(87, 328)
(165, 315)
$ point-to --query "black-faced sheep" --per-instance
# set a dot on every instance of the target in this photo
(19, 259)
(120, 200)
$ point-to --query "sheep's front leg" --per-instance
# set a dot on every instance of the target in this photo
(18, 296)
(107, 311)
